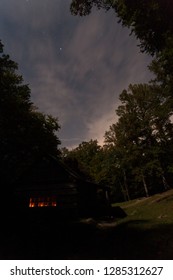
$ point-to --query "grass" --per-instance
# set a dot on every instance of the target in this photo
(150, 221)
(156, 210)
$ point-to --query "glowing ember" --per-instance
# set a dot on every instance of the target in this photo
(42, 201)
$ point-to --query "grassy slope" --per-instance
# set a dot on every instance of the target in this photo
(149, 227)
(156, 210)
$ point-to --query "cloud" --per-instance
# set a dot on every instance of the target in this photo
(76, 67)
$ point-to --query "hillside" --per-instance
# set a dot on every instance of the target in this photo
(155, 210)
(148, 227)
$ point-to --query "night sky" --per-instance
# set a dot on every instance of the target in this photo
(76, 67)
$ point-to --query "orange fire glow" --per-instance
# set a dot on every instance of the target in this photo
(42, 202)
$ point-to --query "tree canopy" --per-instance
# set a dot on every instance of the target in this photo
(136, 159)
(83, 158)
(150, 21)
(25, 133)
(143, 135)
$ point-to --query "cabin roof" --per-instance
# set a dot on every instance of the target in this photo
(49, 173)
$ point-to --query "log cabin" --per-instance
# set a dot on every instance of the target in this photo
(50, 184)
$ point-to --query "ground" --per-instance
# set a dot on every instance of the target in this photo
(146, 233)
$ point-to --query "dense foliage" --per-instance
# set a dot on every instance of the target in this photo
(143, 137)
(150, 21)
(136, 159)
(25, 133)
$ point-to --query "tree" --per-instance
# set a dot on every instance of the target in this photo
(83, 158)
(142, 133)
(150, 21)
(162, 67)
(83, 8)
(25, 133)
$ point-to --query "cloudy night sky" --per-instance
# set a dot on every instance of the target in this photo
(76, 67)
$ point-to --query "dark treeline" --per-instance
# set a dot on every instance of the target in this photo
(25, 133)
(137, 158)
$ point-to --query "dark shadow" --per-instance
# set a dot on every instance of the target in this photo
(26, 236)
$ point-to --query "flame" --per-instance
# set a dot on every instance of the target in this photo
(31, 204)
(42, 202)
(54, 204)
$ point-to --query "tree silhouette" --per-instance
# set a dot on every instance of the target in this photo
(142, 134)
(25, 133)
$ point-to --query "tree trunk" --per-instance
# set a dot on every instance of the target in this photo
(165, 184)
(145, 185)
(123, 192)
(126, 186)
